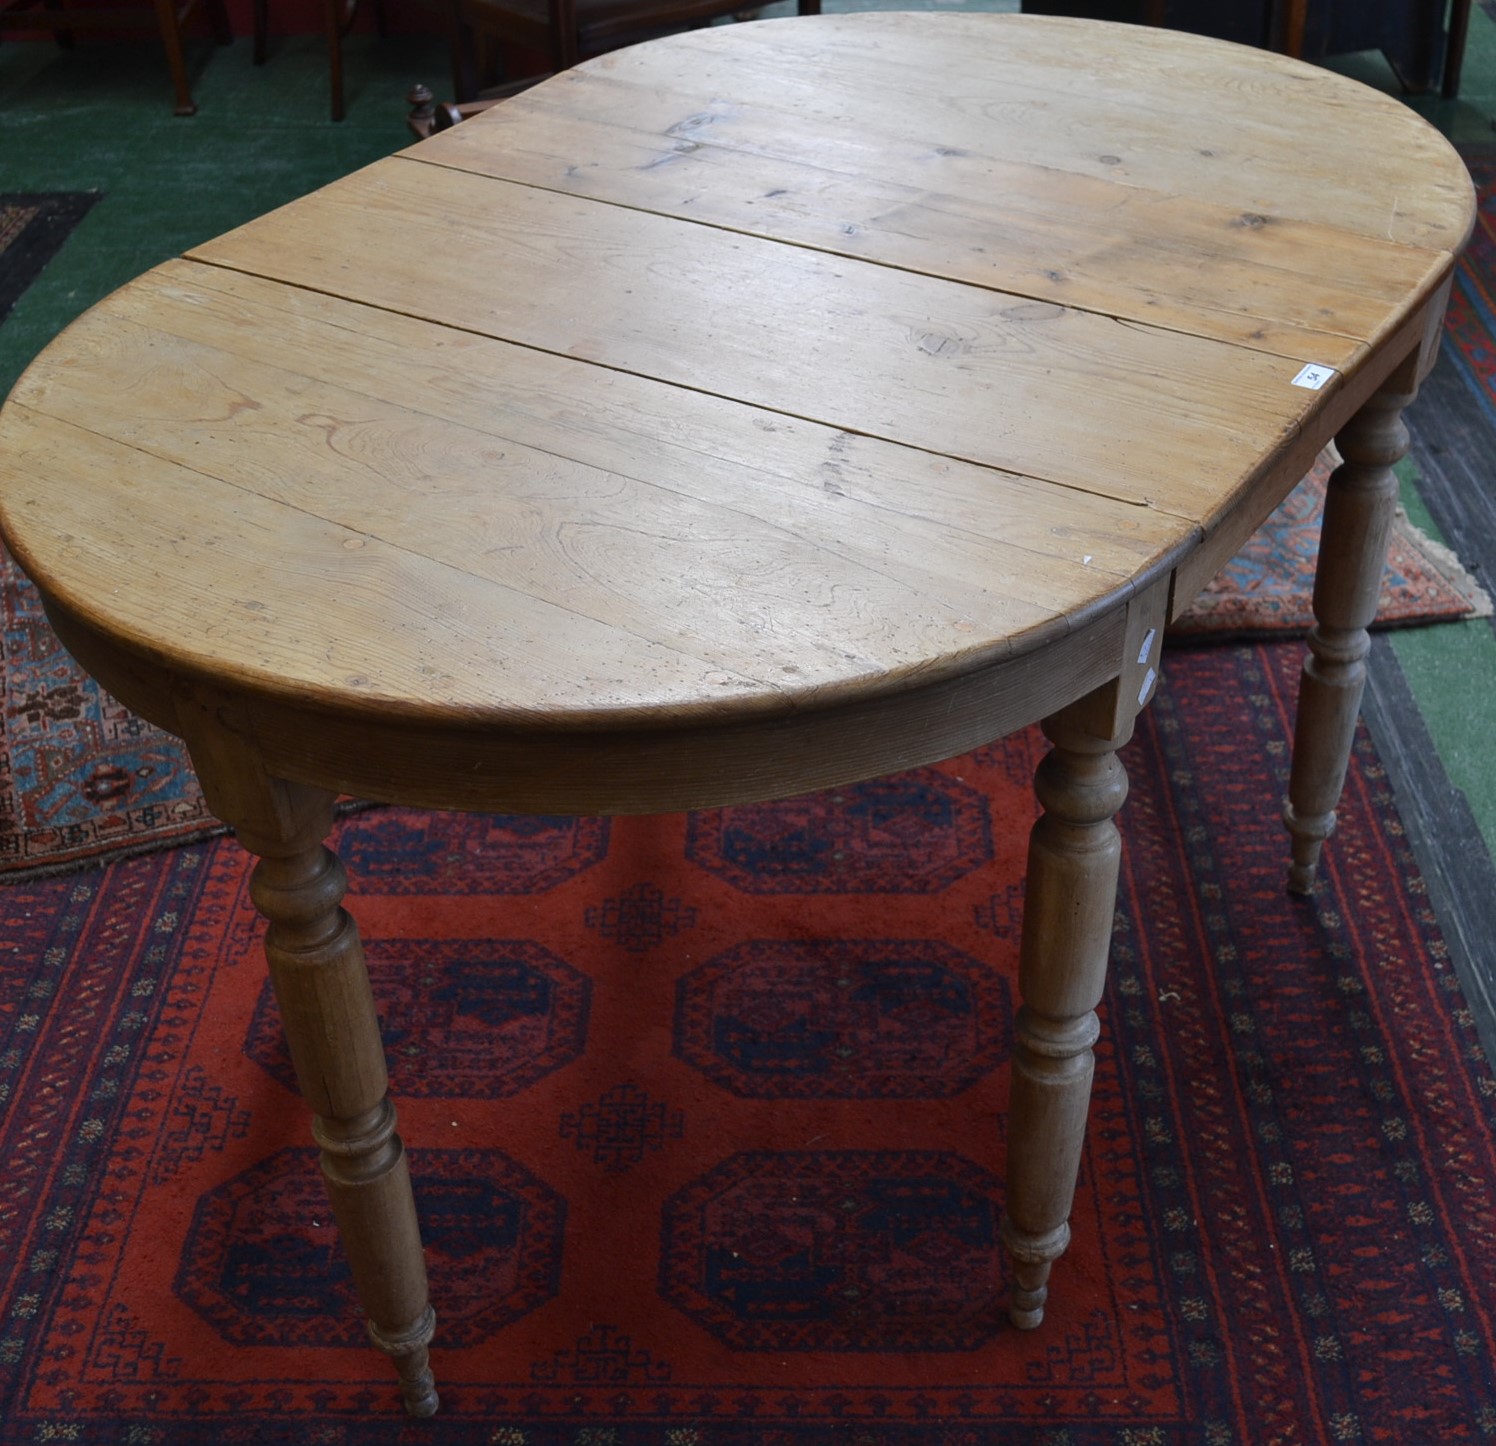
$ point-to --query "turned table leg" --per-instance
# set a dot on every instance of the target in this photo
(317, 968)
(1359, 508)
(1074, 854)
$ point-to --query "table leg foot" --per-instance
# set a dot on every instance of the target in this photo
(1033, 1256)
(1359, 507)
(1074, 855)
(1309, 834)
(412, 1363)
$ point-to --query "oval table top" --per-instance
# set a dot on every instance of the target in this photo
(765, 371)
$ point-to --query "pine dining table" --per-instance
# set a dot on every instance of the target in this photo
(764, 408)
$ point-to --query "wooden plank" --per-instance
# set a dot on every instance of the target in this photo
(748, 159)
(949, 525)
(1106, 406)
(306, 607)
(1171, 113)
(801, 583)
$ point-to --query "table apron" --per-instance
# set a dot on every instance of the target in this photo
(436, 764)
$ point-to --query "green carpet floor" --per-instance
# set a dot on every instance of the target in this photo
(100, 118)
(1452, 669)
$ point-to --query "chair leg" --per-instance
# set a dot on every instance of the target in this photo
(565, 40)
(465, 61)
(333, 17)
(62, 32)
(1294, 23)
(218, 20)
(1454, 47)
(262, 30)
(170, 23)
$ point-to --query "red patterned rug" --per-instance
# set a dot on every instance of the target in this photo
(706, 1120)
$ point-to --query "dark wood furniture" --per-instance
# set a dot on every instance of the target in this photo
(1410, 33)
(337, 19)
(167, 16)
(566, 31)
(1454, 50)
(561, 32)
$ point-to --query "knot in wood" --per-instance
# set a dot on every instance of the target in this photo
(936, 343)
(698, 121)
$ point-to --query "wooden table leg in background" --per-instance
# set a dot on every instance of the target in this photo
(1359, 507)
(322, 987)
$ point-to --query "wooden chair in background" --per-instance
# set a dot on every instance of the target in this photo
(557, 32)
(566, 31)
(337, 19)
(1287, 24)
(168, 17)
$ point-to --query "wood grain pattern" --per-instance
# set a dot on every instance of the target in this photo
(468, 763)
(1172, 114)
(512, 588)
(776, 161)
(478, 432)
(1152, 416)
(476, 420)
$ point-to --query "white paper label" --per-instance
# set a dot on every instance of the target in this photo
(1313, 377)
(1147, 687)
(1147, 645)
